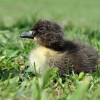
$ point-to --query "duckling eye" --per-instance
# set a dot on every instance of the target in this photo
(41, 30)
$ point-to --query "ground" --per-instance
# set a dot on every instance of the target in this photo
(79, 19)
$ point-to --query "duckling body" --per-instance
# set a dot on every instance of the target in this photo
(54, 50)
(83, 59)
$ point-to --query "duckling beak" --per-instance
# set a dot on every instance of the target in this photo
(29, 34)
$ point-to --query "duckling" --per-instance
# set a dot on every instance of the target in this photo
(55, 50)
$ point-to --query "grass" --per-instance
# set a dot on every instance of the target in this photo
(80, 20)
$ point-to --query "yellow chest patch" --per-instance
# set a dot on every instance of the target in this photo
(39, 56)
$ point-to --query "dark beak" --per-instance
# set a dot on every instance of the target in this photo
(29, 34)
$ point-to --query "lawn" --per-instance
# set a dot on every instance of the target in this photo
(79, 19)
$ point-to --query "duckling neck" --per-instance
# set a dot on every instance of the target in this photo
(63, 45)
(70, 46)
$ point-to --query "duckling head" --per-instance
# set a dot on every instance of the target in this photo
(47, 33)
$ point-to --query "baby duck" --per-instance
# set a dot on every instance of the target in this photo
(54, 50)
